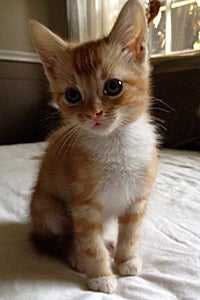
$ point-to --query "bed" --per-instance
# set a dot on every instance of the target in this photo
(169, 243)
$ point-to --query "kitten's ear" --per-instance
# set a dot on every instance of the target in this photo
(48, 45)
(130, 29)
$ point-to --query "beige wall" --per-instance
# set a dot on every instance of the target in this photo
(14, 19)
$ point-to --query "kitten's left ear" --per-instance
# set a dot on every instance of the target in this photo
(130, 29)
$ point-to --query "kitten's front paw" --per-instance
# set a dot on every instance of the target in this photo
(130, 267)
(106, 284)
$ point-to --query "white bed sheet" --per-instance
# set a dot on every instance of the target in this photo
(169, 244)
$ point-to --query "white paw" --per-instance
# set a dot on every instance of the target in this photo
(130, 267)
(106, 284)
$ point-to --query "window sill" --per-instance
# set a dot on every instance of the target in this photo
(178, 61)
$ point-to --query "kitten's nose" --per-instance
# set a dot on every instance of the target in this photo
(94, 114)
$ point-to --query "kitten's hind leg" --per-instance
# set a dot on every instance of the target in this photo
(51, 225)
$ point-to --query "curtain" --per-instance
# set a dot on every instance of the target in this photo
(91, 19)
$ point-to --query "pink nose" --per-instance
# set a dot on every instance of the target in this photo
(94, 114)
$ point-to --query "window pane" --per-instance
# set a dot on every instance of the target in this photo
(185, 25)
(176, 28)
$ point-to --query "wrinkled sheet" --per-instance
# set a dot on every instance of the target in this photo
(169, 243)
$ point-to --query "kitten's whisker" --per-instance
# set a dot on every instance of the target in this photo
(49, 123)
(158, 119)
(158, 122)
(160, 109)
(74, 138)
(158, 126)
(65, 139)
(58, 143)
(162, 102)
(68, 140)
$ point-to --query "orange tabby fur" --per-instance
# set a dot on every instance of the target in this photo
(102, 162)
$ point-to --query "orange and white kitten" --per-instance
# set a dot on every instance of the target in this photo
(102, 162)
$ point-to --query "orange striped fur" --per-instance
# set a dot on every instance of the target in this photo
(102, 162)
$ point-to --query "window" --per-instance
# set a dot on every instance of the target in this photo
(176, 28)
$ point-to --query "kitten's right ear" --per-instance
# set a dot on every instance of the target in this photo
(49, 47)
(130, 29)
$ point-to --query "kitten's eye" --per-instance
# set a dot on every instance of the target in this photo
(113, 87)
(73, 95)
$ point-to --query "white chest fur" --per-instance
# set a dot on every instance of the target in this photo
(124, 157)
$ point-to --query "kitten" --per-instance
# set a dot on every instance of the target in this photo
(102, 162)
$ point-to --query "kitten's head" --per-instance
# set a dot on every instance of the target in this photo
(99, 85)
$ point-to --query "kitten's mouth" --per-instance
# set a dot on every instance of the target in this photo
(97, 124)
(100, 127)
